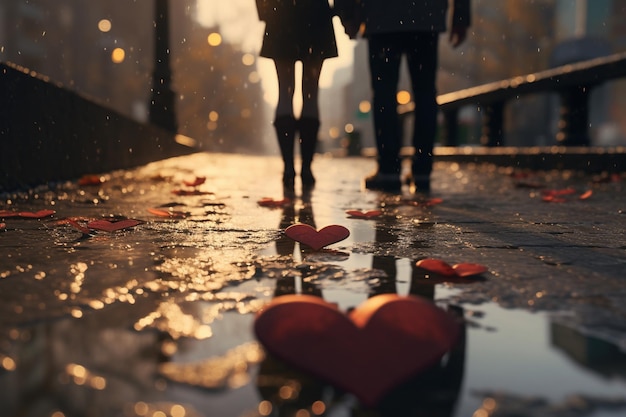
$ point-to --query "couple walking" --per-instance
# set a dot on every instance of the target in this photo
(302, 30)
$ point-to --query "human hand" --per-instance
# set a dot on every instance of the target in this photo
(457, 35)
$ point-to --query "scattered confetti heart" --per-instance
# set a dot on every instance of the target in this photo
(317, 239)
(84, 230)
(190, 192)
(36, 215)
(381, 344)
(587, 194)
(270, 202)
(108, 226)
(561, 192)
(461, 270)
(173, 214)
(469, 269)
(91, 180)
(195, 182)
(364, 214)
(3, 226)
(8, 213)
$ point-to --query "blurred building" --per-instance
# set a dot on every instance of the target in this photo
(510, 38)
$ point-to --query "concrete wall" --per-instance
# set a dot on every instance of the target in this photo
(49, 133)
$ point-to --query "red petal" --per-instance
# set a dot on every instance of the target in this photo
(586, 195)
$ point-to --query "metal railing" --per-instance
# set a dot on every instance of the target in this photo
(573, 83)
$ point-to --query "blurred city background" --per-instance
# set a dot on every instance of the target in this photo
(225, 93)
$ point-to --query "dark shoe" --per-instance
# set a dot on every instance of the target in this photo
(418, 183)
(383, 182)
(308, 180)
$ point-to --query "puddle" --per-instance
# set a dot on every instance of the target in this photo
(157, 320)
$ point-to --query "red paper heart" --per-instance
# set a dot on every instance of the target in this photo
(380, 345)
(364, 214)
(270, 202)
(108, 226)
(195, 182)
(469, 269)
(461, 270)
(172, 214)
(437, 266)
(317, 239)
(37, 214)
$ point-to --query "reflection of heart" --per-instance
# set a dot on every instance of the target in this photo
(317, 239)
(108, 226)
(381, 344)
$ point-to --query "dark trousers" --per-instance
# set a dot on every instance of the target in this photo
(385, 54)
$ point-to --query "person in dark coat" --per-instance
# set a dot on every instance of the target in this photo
(297, 30)
(394, 28)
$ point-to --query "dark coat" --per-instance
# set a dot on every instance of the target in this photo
(393, 16)
(297, 29)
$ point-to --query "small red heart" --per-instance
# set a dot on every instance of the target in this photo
(364, 214)
(194, 182)
(564, 191)
(84, 230)
(270, 202)
(317, 239)
(462, 270)
(8, 213)
(108, 226)
(36, 215)
(91, 179)
(381, 344)
(172, 214)
(3, 226)
(436, 266)
(469, 269)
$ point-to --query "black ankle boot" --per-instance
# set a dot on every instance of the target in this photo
(285, 127)
(309, 128)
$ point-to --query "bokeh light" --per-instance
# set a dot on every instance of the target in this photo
(214, 39)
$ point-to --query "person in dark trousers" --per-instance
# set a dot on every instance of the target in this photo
(394, 28)
(297, 30)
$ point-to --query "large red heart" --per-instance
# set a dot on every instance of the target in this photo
(378, 346)
(317, 239)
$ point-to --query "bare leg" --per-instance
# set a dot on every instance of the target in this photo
(285, 71)
(309, 121)
(284, 122)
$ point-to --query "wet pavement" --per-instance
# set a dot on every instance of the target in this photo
(155, 319)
